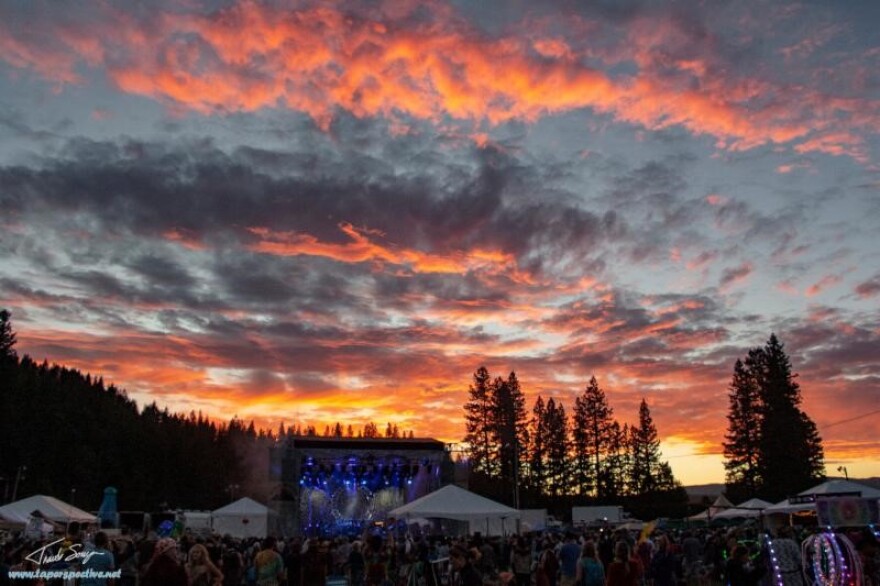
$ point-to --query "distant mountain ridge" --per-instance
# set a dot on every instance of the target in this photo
(713, 490)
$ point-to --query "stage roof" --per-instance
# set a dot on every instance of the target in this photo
(363, 443)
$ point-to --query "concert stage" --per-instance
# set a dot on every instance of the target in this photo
(334, 485)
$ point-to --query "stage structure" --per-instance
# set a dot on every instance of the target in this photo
(334, 485)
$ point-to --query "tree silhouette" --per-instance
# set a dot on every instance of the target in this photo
(742, 445)
(509, 429)
(479, 423)
(591, 434)
(537, 458)
(645, 453)
(616, 466)
(791, 449)
(557, 448)
(7, 337)
(772, 447)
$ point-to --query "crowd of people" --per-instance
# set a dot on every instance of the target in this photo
(600, 557)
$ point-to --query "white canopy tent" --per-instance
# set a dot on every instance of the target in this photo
(721, 504)
(748, 510)
(829, 487)
(451, 502)
(12, 520)
(50, 507)
(244, 518)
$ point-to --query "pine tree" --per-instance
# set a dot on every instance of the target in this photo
(479, 423)
(591, 434)
(791, 449)
(557, 447)
(645, 453)
(773, 448)
(616, 465)
(742, 445)
(538, 447)
(510, 429)
(7, 337)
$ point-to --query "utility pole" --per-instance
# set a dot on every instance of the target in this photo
(19, 476)
(516, 473)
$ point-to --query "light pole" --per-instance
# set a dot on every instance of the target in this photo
(19, 476)
(231, 489)
(843, 469)
(516, 473)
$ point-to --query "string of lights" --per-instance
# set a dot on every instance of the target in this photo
(774, 562)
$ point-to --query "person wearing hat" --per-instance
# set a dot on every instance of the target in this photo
(165, 569)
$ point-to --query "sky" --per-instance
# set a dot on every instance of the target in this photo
(313, 212)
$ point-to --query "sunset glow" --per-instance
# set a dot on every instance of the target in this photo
(309, 212)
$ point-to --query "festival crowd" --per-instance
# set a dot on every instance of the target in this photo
(606, 557)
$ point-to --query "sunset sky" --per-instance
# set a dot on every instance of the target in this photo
(313, 212)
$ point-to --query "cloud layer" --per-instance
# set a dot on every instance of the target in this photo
(313, 212)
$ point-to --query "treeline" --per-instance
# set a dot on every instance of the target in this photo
(546, 458)
(67, 434)
(369, 430)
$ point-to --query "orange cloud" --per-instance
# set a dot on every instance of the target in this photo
(184, 238)
(362, 249)
(251, 55)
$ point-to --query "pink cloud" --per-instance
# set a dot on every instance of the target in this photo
(822, 284)
(701, 260)
(732, 277)
(787, 287)
(869, 288)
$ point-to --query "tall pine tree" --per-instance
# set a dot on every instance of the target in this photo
(557, 448)
(742, 445)
(645, 453)
(791, 449)
(537, 477)
(7, 337)
(773, 448)
(592, 428)
(616, 465)
(510, 430)
(479, 424)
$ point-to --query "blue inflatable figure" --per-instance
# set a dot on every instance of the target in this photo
(107, 512)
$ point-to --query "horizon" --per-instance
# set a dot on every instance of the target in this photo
(317, 212)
